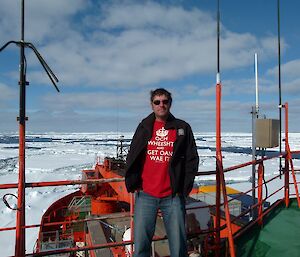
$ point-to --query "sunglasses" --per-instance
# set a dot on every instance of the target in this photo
(157, 102)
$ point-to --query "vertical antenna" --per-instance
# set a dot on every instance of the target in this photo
(20, 222)
(218, 137)
(220, 178)
(254, 112)
(218, 43)
(279, 83)
(20, 216)
(256, 82)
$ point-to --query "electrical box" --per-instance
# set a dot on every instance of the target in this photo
(267, 133)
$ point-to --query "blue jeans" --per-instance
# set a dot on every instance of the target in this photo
(173, 212)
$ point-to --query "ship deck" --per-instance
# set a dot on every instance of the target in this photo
(279, 235)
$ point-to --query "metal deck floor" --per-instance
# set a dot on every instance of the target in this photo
(279, 236)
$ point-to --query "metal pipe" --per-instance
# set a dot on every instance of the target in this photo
(254, 113)
(63, 183)
(260, 191)
(289, 155)
(227, 213)
(100, 181)
(218, 137)
(286, 168)
(254, 117)
(218, 160)
(220, 179)
(20, 217)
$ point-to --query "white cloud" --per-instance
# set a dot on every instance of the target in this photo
(43, 19)
(97, 101)
(289, 70)
(7, 93)
(155, 16)
(129, 44)
(126, 47)
(290, 81)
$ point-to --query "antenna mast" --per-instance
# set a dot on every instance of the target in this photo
(20, 222)
(218, 44)
(256, 83)
(218, 135)
(279, 84)
(254, 112)
(20, 217)
(220, 178)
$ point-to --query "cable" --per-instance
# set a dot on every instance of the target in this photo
(6, 202)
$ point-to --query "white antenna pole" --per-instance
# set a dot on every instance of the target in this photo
(256, 83)
(255, 110)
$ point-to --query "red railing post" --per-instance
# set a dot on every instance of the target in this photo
(218, 161)
(260, 192)
(287, 168)
(289, 160)
(20, 220)
(131, 223)
(220, 179)
(286, 183)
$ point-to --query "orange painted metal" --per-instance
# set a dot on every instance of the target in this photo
(286, 172)
(220, 179)
(286, 183)
(131, 223)
(294, 179)
(218, 160)
(103, 206)
(90, 243)
(63, 223)
(113, 193)
(259, 194)
(62, 183)
(223, 222)
(224, 232)
(20, 221)
(20, 216)
(227, 213)
(121, 179)
(118, 187)
(288, 153)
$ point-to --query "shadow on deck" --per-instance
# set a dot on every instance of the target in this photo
(278, 236)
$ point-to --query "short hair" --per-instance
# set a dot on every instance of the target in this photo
(160, 91)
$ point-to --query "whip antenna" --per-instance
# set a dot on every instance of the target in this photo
(218, 43)
(279, 84)
(20, 247)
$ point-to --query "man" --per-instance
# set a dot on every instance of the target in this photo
(161, 167)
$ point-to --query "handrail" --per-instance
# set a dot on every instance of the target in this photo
(74, 182)
(288, 155)
(62, 183)
(101, 181)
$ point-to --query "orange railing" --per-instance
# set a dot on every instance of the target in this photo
(212, 233)
(229, 218)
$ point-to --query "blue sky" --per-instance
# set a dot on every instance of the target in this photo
(108, 55)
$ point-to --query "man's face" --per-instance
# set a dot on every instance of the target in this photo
(161, 107)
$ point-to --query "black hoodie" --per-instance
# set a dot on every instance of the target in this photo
(183, 165)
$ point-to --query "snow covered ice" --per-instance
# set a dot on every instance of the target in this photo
(58, 156)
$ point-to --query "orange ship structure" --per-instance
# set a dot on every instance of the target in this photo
(97, 220)
(99, 216)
